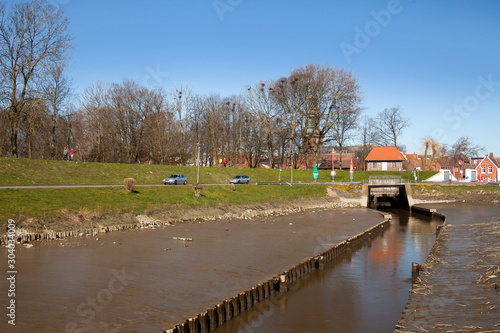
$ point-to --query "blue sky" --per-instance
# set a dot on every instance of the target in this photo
(438, 60)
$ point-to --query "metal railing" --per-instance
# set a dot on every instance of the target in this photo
(388, 179)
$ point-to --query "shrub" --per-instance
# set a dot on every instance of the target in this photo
(197, 188)
(129, 184)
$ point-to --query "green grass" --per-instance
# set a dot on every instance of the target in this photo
(21, 171)
(54, 204)
(49, 203)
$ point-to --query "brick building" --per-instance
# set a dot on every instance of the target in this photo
(384, 159)
(488, 169)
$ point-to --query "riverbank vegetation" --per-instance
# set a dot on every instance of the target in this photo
(73, 208)
(23, 171)
(57, 209)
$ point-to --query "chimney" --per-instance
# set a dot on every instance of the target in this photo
(491, 155)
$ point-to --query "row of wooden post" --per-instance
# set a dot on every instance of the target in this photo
(228, 309)
(55, 235)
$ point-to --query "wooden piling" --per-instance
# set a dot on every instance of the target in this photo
(283, 283)
(243, 302)
(415, 269)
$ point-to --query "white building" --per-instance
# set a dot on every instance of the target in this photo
(443, 176)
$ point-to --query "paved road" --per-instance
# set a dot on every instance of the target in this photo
(147, 185)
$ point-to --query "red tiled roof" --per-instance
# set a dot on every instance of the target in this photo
(496, 161)
(385, 154)
(412, 156)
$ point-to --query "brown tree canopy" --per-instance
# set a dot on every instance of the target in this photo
(33, 35)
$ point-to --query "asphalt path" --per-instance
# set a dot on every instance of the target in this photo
(147, 185)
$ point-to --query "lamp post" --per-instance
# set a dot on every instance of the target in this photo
(198, 162)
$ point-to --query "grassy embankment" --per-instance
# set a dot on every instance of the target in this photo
(37, 208)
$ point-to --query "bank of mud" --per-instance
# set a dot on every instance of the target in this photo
(228, 309)
(88, 225)
(170, 273)
(458, 286)
(463, 194)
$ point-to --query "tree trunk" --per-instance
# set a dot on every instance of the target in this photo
(13, 140)
(340, 158)
(53, 139)
(424, 162)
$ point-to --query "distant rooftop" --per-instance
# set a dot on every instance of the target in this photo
(385, 154)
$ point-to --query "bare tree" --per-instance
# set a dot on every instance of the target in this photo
(367, 136)
(322, 103)
(252, 143)
(319, 104)
(260, 104)
(436, 149)
(33, 124)
(183, 108)
(32, 35)
(389, 125)
(130, 107)
(95, 110)
(56, 90)
(346, 120)
(462, 150)
(288, 96)
(159, 127)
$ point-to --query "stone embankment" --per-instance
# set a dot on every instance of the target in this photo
(144, 221)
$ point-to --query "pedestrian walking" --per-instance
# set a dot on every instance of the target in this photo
(210, 161)
(220, 162)
(71, 153)
(65, 154)
(225, 162)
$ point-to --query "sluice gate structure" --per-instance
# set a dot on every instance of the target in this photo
(387, 191)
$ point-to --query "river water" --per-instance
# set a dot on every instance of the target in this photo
(364, 291)
(144, 281)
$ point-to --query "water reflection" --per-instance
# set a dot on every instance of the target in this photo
(362, 291)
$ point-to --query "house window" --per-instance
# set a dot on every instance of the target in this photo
(483, 169)
(489, 179)
(394, 164)
(490, 169)
(374, 164)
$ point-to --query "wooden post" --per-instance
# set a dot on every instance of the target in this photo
(283, 283)
(321, 262)
(415, 269)
(202, 319)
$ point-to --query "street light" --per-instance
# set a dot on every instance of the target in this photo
(198, 174)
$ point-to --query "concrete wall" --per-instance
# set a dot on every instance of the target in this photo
(401, 193)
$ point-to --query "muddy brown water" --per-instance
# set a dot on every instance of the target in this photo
(364, 291)
(144, 281)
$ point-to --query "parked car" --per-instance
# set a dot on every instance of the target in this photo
(175, 179)
(241, 179)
